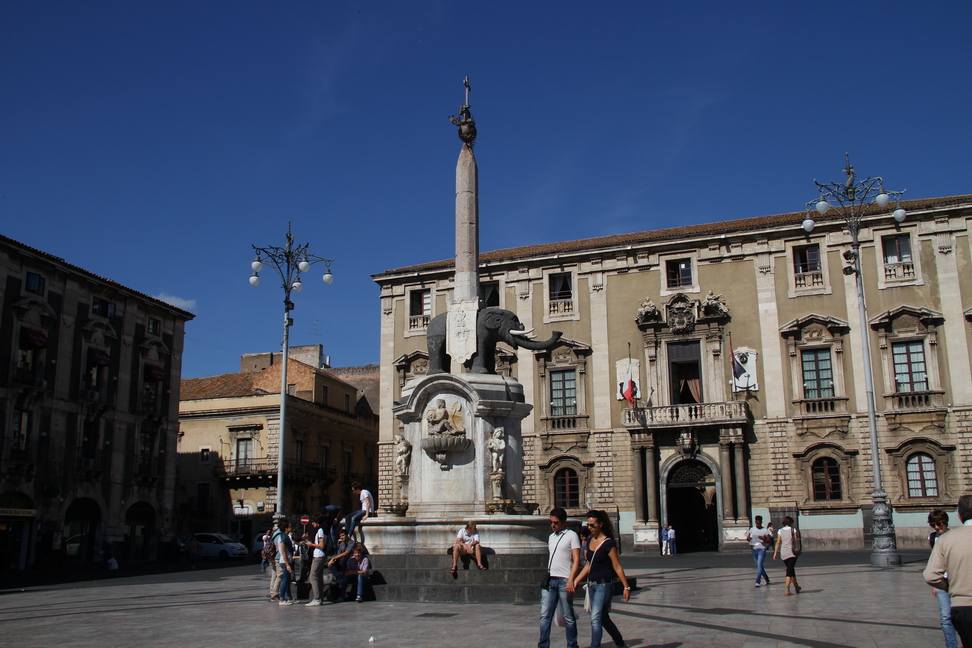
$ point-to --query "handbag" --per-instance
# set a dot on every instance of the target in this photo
(796, 544)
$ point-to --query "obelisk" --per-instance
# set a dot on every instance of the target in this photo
(461, 340)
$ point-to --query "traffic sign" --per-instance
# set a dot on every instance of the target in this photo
(305, 520)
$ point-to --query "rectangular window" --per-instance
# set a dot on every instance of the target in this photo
(563, 393)
(807, 271)
(205, 455)
(35, 283)
(347, 402)
(679, 272)
(420, 302)
(323, 394)
(244, 452)
(560, 287)
(566, 489)
(826, 480)
(154, 326)
(910, 374)
(922, 480)
(898, 264)
(299, 451)
(489, 294)
(818, 374)
(291, 390)
(103, 307)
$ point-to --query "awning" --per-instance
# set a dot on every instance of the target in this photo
(32, 338)
(99, 357)
(154, 373)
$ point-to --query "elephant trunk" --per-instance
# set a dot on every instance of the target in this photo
(536, 345)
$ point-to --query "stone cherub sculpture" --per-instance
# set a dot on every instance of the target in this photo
(404, 458)
(497, 449)
(440, 421)
(648, 311)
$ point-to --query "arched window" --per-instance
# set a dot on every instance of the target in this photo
(922, 480)
(566, 489)
(826, 479)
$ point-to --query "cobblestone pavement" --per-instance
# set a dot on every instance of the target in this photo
(691, 600)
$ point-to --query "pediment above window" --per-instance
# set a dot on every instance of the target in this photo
(153, 350)
(99, 332)
(36, 311)
(814, 328)
(566, 351)
(905, 320)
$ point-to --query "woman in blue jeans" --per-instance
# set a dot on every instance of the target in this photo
(602, 565)
(285, 554)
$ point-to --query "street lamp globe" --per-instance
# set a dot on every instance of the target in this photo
(328, 277)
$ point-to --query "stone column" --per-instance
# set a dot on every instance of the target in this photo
(639, 486)
(739, 452)
(651, 484)
(725, 447)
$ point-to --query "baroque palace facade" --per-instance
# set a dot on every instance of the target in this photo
(89, 397)
(705, 448)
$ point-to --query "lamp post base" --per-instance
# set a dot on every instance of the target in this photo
(885, 548)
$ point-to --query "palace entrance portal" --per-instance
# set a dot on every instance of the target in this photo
(692, 507)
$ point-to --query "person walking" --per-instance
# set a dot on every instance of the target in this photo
(759, 539)
(950, 568)
(563, 546)
(787, 545)
(601, 568)
(319, 560)
(938, 520)
(285, 556)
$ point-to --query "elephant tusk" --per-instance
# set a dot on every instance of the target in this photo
(527, 334)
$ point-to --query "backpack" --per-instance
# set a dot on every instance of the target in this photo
(269, 550)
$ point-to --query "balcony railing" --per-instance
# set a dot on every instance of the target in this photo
(560, 307)
(811, 279)
(686, 415)
(418, 322)
(899, 271)
(916, 400)
(560, 423)
(266, 467)
(821, 406)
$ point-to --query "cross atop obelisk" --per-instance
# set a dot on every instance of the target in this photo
(461, 341)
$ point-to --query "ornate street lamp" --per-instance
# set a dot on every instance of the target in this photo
(289, 262)
(852, 201)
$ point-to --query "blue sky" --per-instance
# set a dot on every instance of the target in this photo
(154, 142)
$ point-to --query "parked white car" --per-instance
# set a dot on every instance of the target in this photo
(220, 545)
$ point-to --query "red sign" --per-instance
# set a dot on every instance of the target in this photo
(305, 520)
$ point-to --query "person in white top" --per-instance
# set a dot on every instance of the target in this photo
(319, 562)
(563, 565)
(467, 542)
(760, 539)
(367, 509)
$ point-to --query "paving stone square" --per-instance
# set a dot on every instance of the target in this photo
(685, 601)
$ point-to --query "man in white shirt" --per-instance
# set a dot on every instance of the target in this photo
(564, 546)
(319, 562)
(759, 538)
(367, 508)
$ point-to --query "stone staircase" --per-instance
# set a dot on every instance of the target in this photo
(423, 577)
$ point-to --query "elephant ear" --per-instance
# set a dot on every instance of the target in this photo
(492, 319)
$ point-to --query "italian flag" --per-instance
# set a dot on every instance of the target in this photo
(628, 386)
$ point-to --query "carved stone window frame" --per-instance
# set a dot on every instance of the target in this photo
(585, 479)
(915, 243)
(909, 324)
(791, 247)
(846, 463)
(663, 259)
(567, 354)
(574, 313)
(812, 332)
(409, 331)
(943, 456)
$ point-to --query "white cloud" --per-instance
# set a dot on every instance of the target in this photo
(178, 302)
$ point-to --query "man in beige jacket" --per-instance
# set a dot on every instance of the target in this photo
(950, 569)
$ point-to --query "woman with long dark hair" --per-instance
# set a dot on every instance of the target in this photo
(784, 547)
(602, 565)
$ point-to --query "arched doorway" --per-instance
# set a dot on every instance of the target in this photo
(82, 522)
(692, 506)
(140, 532)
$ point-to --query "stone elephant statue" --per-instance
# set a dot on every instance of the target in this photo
(492, 325)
